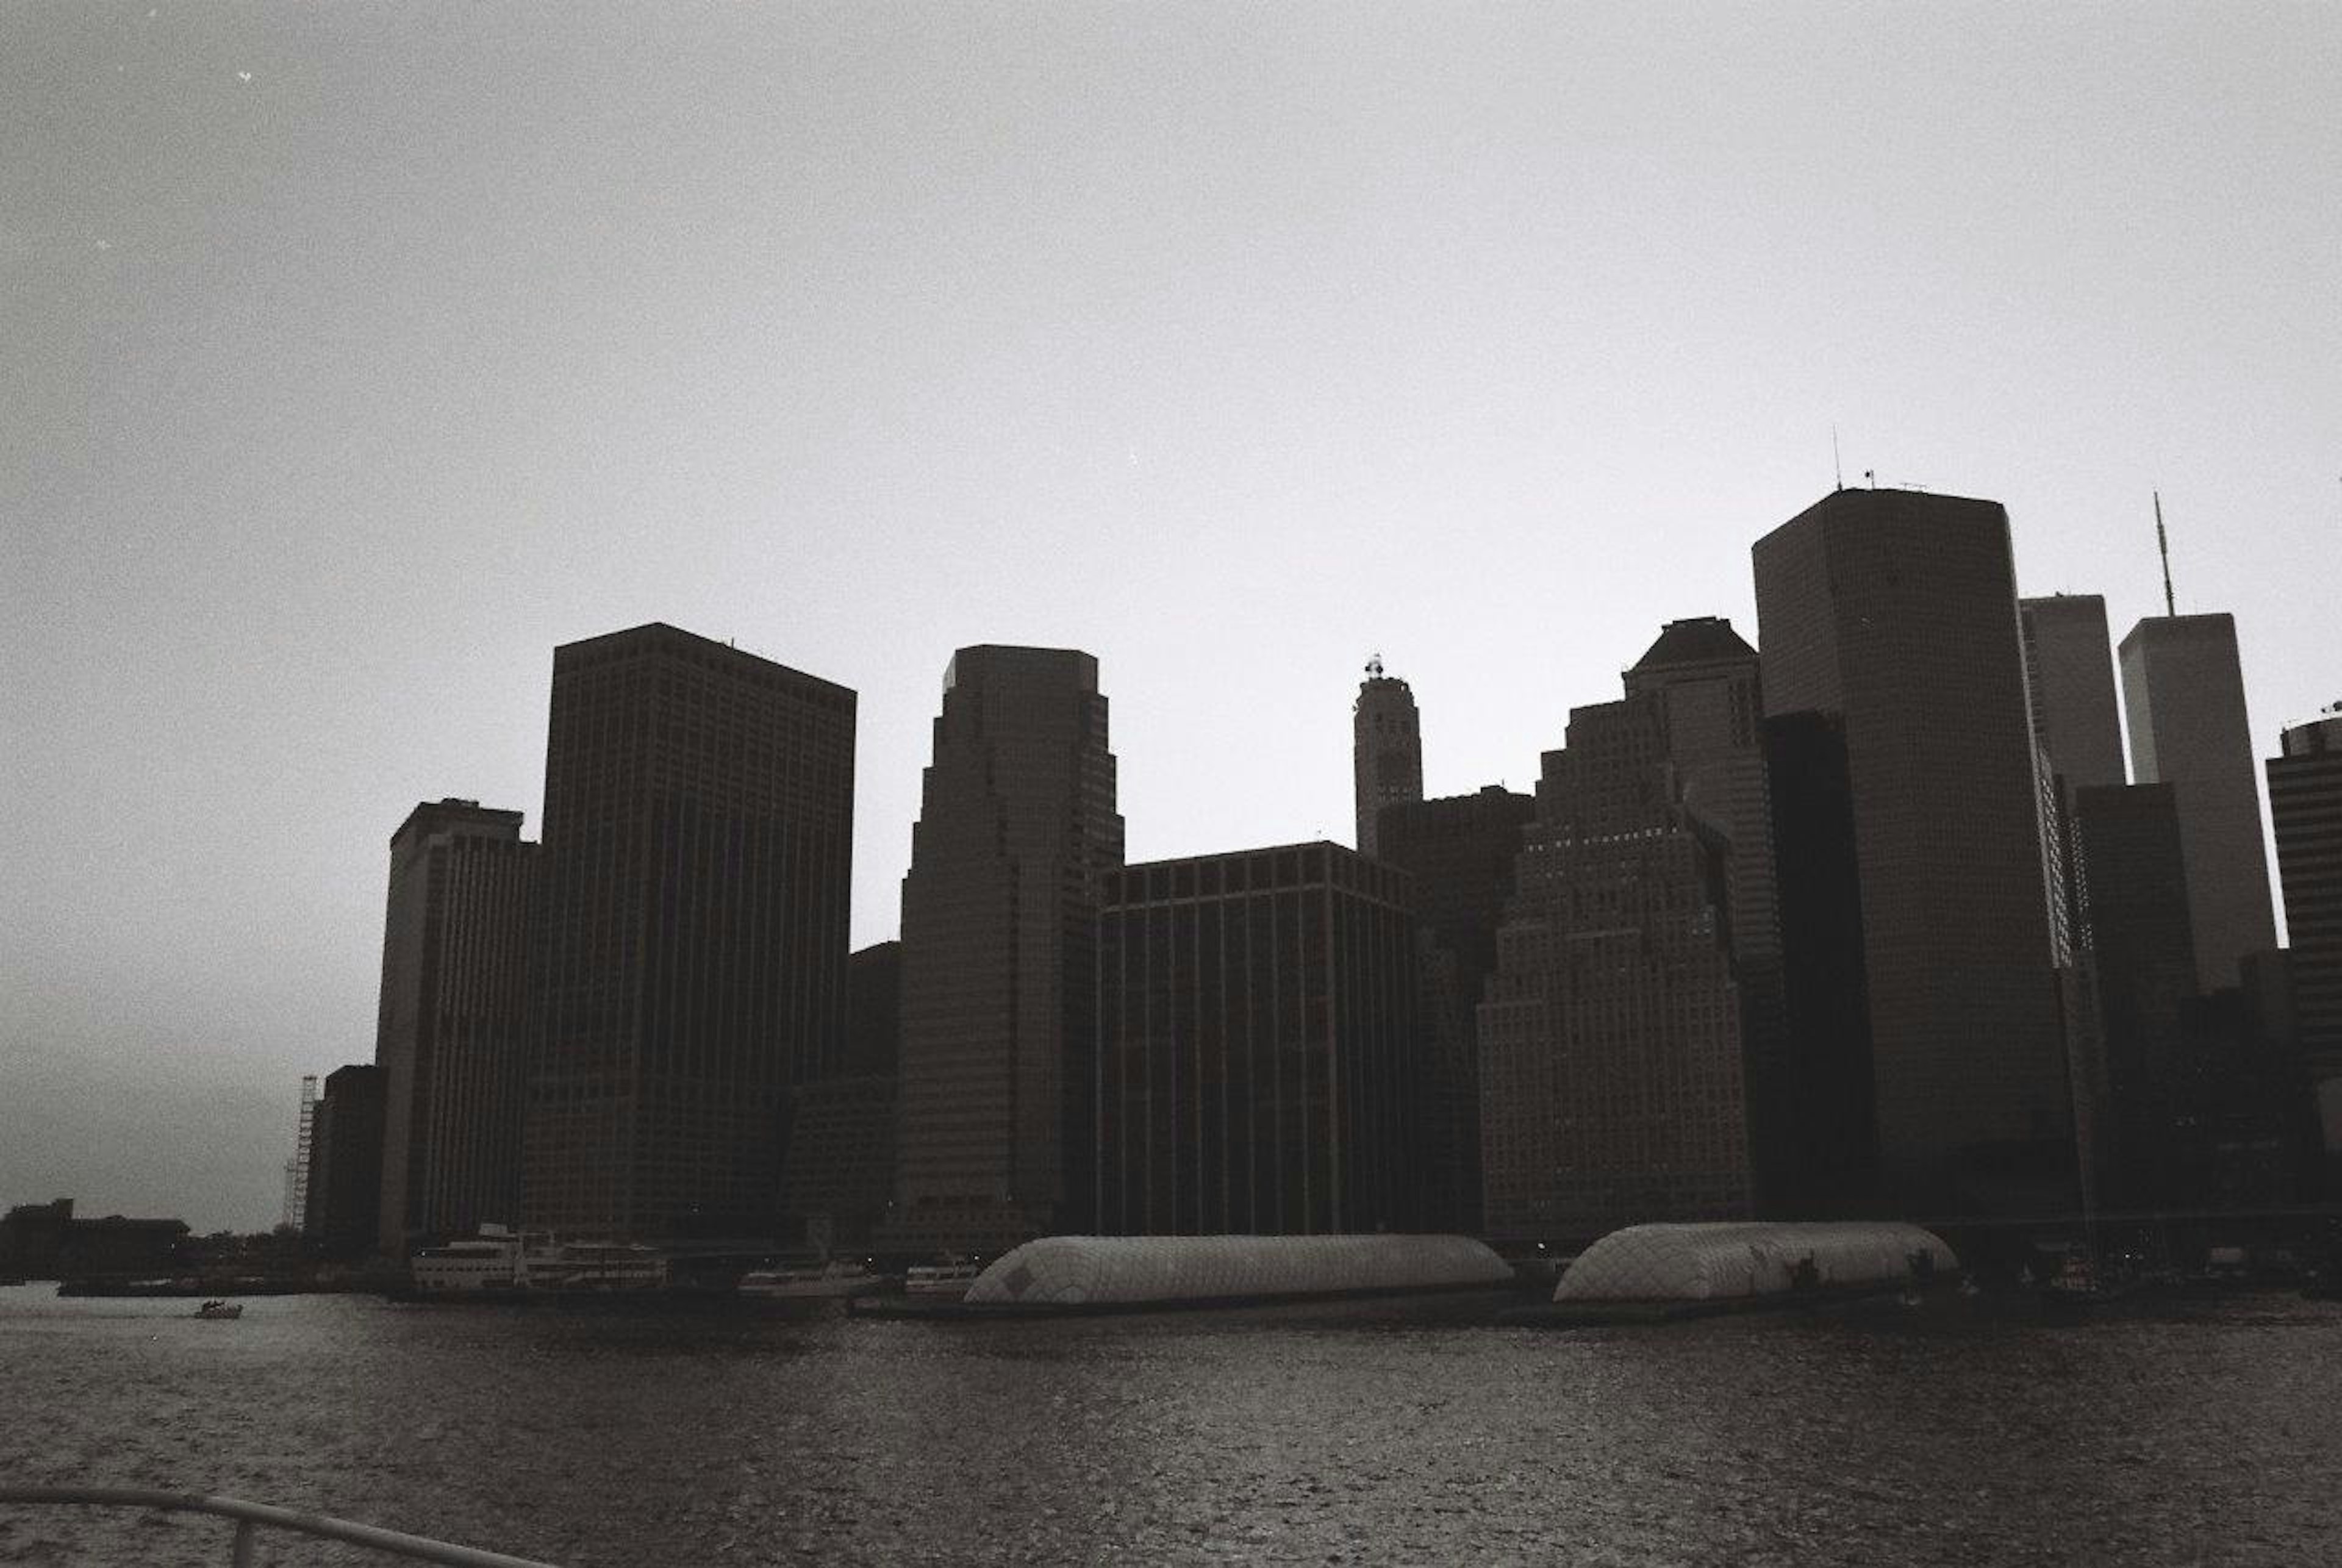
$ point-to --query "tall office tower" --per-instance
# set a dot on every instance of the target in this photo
(2184, 692)
(1385, 748)
(1707, 681)
(2142, 968)
(1459, 853)
(1259, 1057)
(2069, 671)
(1611, 1079)
(451, 1032)
(698, 856)
(2305, 802)
(297, 1169)
(345, 1205)
(1893, 613)
(1016, 829)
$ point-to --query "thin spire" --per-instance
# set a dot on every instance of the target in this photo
(2163, 547)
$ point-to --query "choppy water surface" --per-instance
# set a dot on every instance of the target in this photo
(1328, 1435)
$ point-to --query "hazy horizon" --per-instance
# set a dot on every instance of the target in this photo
(365, 355)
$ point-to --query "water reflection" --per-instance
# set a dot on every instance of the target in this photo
(1344, 1435)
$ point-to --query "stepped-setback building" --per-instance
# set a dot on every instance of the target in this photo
(1016, 831)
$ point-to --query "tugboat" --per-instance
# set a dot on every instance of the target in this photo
(220, 1311)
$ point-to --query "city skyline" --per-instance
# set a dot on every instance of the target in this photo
(1248, 346)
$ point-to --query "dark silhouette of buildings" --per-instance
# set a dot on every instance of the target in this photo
(2143, 1079)
(2184, 692)
(46, 1242)
(2305, 783)
(344, 1215)
(1459, 853)
(698, 843)
(1893, 613)
(451, 1033)
(838, 1174)
(1016, 829)
(1612, 1080)
(1259, 1057)
(1386, 749)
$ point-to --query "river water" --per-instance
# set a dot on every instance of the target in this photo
(1344, 1433)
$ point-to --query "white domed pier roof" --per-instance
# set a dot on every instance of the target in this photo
(1123, 1270)
(1711, 1262)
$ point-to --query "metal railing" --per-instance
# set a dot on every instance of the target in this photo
(251, 1518)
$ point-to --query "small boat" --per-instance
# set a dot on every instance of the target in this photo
(836, 1279)
(224, 1310)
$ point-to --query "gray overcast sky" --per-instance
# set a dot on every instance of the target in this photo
(359, 354)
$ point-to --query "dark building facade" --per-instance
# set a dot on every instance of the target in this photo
(698, 858)
(838, 1174)
(1259, 1060)
(2184, 691)
(1459, 853)
(2142, 1078)
(1017, 830)
(451, 1032)
(1386, 749)
(343, 1215)
(1611, 1082)
(2305, 785)
(1893, 613)
(1709, 684)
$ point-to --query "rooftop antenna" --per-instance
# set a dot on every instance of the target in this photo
(2163, 547)
(1837, 465)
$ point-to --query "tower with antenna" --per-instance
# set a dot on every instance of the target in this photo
(1386, 748)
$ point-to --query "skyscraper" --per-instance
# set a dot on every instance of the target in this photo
(1707, 681)
(2184, 692)
(1016, 828)
(1611, 1076)
(344, 1208)
(698, 855)
(451, 1030)
(1459, 853)
(2142, 968)
(1260, 1055)
(2305, 802)
(1894, 614)
(1385, 748)
(2069, 671)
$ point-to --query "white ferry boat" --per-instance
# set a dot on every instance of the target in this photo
(836, 1279)
(490, 1261)
(499, 1261)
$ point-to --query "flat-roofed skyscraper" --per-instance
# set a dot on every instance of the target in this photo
(2184, 692)
(451, 1034)
(1259, 1067)
(2069, 670)
(1385, 748)
(698, 856)
(1895, 612)
(999, 992)
(2305, 802)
